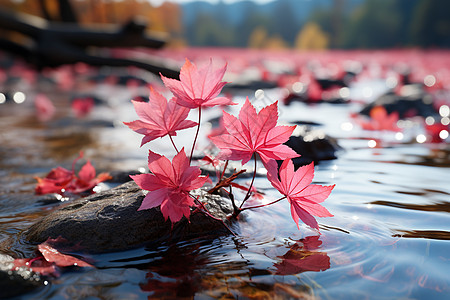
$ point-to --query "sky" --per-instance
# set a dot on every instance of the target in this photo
(158, 2)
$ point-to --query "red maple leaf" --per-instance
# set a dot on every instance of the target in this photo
(61, 180)
(61, 260)
(55, 181)
(49, 260)
(159, 118)
(303, 196)
(198, 87)
(254, 133)
(86, 179)
(170, 184)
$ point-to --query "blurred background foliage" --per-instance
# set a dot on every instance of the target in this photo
(299, 24)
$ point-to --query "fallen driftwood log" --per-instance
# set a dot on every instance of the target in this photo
(55, 43)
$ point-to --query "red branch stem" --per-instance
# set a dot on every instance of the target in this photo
(196, 134)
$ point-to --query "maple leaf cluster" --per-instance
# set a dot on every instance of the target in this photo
(62, 181)
(252, 135)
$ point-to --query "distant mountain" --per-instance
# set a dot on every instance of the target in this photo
(234, 13)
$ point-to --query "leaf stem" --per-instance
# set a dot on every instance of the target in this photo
(196, 134)
(80, 156)
(262, 205)
(224, 169)
(236, 210)
(173, 143)
(251, 183)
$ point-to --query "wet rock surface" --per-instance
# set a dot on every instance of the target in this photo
(109, 221)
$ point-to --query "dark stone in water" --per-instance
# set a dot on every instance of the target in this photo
(16, 282)
(252, 85)
(312, 144)
(109, 221)
(120, 176)
(413, 102)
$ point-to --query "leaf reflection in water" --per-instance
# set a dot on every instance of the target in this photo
(302, 257)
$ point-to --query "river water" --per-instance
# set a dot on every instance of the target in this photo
(388, 239)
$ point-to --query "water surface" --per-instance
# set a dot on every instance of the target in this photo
(388, 239)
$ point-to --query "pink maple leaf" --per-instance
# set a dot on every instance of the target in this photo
(159, 118)
(303, 196)
(170, 184)
(254, 133)
(198, 87)
(213, 161)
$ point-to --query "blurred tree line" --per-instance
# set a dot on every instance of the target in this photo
(165, 18)
(367, 24)
(331, 24)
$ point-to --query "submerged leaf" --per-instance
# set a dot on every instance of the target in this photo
(61, 260)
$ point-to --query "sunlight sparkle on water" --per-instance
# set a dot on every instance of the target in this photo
(19, 97)
(298, 87)
(391, 82)
(399, 136)
(347, 126)
(429, 80)
(97, 189)
(372, 143)
(259, 94)
(443, 134)
(421, 138)
(62, 198)
(429, 120)
(344, 92)
(444, 111)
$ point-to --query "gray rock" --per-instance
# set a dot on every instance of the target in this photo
(109, 221)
